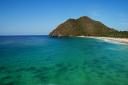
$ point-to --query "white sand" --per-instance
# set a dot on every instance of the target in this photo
(109, 39)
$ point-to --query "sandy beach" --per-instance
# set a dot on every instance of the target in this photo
(109, 39)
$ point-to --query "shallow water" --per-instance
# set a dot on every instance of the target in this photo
(40, 60)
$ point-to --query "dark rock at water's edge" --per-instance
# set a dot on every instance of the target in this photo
(85, 26)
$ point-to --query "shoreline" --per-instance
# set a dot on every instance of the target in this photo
(109, 39)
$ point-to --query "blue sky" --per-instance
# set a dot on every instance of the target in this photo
(39, 17)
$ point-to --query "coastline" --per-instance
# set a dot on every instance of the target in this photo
(109, 39)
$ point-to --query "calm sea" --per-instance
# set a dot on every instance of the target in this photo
(40, 60)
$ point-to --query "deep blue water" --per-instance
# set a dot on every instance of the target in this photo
(41, 60)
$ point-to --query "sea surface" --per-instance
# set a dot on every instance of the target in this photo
(41, 60)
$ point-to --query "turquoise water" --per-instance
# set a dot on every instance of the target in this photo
(40, 60)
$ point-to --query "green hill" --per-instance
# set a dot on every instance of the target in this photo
(85, 26)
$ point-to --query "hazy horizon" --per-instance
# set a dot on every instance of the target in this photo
(39, 17)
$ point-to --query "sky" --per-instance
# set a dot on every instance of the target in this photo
(39, 17)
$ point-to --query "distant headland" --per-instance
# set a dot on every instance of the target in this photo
(85, 26)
